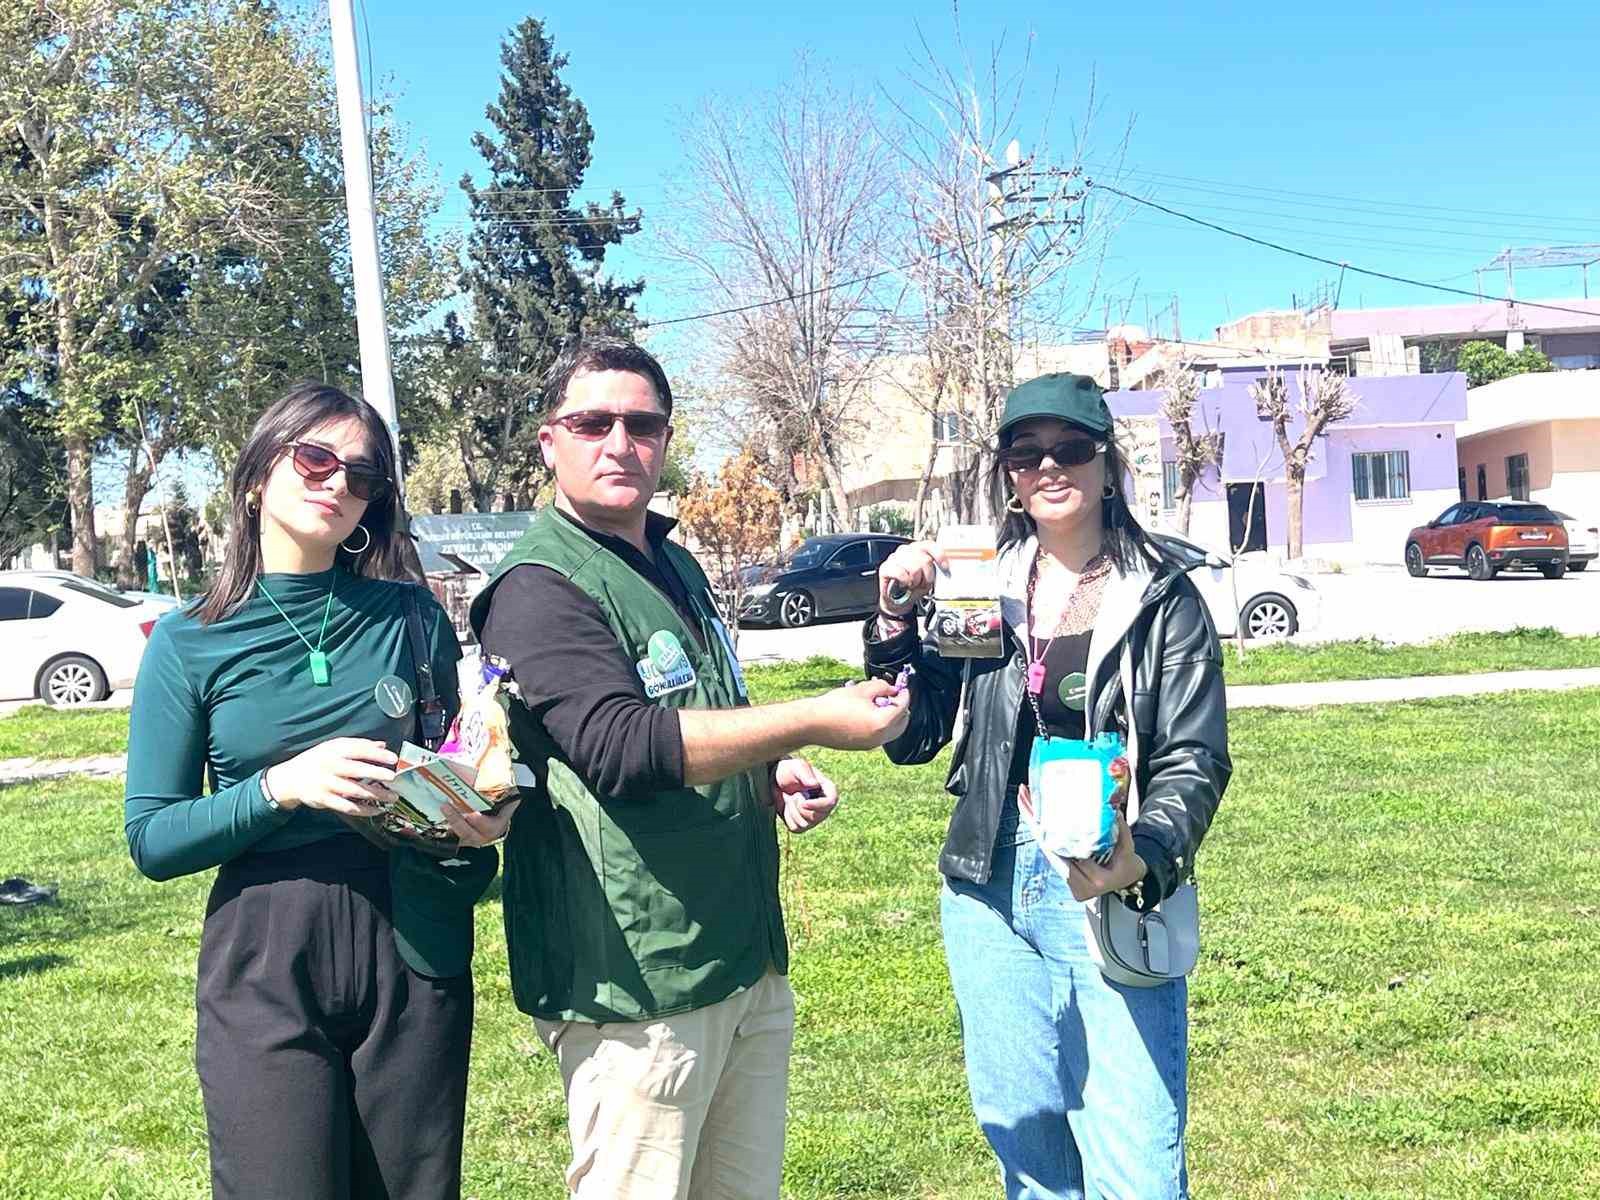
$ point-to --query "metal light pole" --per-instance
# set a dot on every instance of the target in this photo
(377, 381)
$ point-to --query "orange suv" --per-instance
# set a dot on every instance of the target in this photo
(1488, 538)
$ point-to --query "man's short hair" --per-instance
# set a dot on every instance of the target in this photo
(603, 354)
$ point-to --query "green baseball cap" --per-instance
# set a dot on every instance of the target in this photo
(1076, 399)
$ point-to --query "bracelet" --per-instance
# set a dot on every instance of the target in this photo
(266, 793)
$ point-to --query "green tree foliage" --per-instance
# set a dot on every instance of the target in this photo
(174, 216)
(535, 260)
(1485, 362)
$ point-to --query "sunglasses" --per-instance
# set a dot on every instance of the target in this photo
(593, 425)
(318, 464)
(1073, 452)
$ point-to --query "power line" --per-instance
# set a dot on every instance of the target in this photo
(1331, 262)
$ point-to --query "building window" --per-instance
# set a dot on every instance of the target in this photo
(1461, 481)
(955, 427)
(1382, 475)
(1169, 485)
(1483, 483)
(1517, 476)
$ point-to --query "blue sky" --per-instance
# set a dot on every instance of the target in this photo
(1411, 141)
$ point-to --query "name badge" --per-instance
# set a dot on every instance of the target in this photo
(665, 667)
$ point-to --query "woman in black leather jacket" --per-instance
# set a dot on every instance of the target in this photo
(1078, 1082)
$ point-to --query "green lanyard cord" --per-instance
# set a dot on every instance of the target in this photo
(328, 609)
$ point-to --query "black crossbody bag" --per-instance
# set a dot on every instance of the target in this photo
(383, 830)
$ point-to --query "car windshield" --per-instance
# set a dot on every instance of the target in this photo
(1187, 555)
(1528, 514)
(99, 591)
(807, 554)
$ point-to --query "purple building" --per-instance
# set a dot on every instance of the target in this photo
(1372, 477)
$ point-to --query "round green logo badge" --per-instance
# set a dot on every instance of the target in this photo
(1073, 690)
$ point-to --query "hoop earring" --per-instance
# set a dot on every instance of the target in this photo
(252, 505)
(1109, 493)
(361, 549)
(1015, 505)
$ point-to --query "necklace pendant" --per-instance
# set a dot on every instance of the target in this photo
(1036, 677)
(319, 668)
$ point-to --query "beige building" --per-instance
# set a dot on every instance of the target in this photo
(1534, 437)
(901, 429)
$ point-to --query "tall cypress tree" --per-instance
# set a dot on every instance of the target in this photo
(534, 266)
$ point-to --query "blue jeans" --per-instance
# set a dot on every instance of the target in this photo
(1079, 1083)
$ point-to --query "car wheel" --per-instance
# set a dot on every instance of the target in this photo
(1554, 570)
(1269, 617)
(1414, 564)
(71, 681)
(797, 609)
(1577, 566)
(1478, 566)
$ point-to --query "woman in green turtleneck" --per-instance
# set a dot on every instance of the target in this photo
(334, 998)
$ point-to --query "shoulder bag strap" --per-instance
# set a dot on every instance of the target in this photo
(430, 710)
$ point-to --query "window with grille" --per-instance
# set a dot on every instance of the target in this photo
(1169, 485)
(954, 427)
(1382, 474)
(1517, 476)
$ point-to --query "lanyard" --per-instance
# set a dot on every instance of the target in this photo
(1084, 591)
(318, 661)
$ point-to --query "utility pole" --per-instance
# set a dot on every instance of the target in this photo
(377, 380)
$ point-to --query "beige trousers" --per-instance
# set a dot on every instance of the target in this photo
(686, 1107)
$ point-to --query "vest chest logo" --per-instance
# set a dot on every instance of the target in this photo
(664, 668)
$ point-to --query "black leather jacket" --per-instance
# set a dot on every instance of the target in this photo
(1179, 705)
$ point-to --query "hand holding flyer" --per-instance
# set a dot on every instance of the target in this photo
(966, 621)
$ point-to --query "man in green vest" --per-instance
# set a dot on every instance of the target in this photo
(641, 881)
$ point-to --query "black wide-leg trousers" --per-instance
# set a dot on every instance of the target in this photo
(329, 1069)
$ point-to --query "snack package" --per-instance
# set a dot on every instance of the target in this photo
(1078, 787)
(966, 621)
(480, 737)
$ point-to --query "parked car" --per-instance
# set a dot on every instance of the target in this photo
(1487, 538)
(1270, 603)
(1583, 541)
(67, 639)
(832, 575)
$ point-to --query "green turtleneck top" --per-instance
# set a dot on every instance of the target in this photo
(239, 695)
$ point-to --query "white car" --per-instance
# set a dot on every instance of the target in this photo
(1583, 541)
(1271, 603)
(68, 640)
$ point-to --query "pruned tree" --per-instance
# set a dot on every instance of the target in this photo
(1002, 251)
(735, 518)
(1194, 452)
(786, 224)
(1325, 398)
(534, 267)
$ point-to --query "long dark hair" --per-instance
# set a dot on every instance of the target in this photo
(1123, 539)
(304, 407)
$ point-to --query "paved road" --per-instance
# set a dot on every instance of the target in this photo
(1375, 602)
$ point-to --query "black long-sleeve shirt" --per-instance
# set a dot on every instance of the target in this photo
(578, 681)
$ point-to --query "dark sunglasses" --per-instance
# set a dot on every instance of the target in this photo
(593, 425)
(318, 463)
(1073, 452)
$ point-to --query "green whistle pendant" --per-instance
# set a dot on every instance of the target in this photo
(319, 668)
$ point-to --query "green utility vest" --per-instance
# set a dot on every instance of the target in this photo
(624, 909)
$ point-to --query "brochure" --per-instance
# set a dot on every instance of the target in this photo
(966, 621)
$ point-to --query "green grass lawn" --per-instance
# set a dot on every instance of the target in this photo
(1393, 1000)
(1519, 649)
(37, 731)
